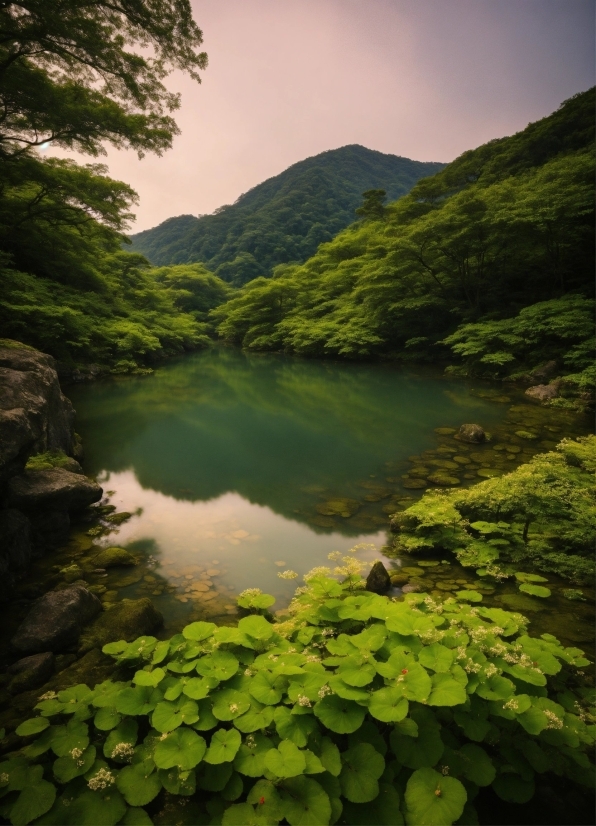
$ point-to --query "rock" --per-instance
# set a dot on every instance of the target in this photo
(338, 507)
(56, 619)
(472, 433)
(34, 415)
(378, 580)
(30, 672)
(411, 589)
(15, 549)
(54, 489)
(127, 620)
(543, 392)
(443, 480)
(399, 579)
(112, 558)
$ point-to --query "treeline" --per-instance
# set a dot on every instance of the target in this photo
(283, 219)
(504, 227)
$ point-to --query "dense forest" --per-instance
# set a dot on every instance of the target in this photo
(285, 218)
(491, 257)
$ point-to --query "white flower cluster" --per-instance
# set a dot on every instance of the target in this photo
(324, 691)
(4, 778)
(312, 658)
(101, 780)
(553, 721)
(123, 751)
(320, 570)
(250, 592)
(288, 575)
(49, 695)
(248, 672)
(304, 701)
(251, 742)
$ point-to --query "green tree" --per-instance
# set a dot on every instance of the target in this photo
(373, 204)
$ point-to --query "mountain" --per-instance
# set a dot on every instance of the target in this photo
(285, 218)
(492, 257)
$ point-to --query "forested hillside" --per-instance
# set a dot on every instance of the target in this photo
(505, 227)
(283, 219)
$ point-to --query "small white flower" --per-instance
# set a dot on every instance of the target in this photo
(123, 751)
(304, 701)
(101, 780)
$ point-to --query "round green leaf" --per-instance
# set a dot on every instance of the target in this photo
(446, 691)
(199, 631)
(294, 727)
(106, 719)
(138, 783)
(74, 735)
(469, 596)
(229, 704)
(150, 678)
(432, 799)
(257, 717)
(415, 683)
(358, 676)
(233, 788)
(535, 590)
(221, 664)
(136, 817)
(183, 748)
(256, 626)
(286, 760)
(339, 715)
(477, 765)
(34, 801)
(206, 719)
(125, 732)
(224, 746)
(33, 726)
(362, 767)
(329, 757)
(168, 716)
(251, 761)
(95, 808)
(423, 750)
(68, 767)
(388, 705)
(265, 687)
(304, 802)
(138, 701)
(437, 657)
(196, 688)
(179, 782)
(239, 814)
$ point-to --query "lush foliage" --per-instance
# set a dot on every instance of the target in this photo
(543, 514)
(501, 228)
(283, 219)
(77, 75)
(355, 709)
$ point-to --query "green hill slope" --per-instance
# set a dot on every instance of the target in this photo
(283, 219)
(501, 228)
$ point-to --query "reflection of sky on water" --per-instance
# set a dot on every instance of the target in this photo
(248, 544)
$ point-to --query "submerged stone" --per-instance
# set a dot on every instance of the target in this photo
(55, 621)
(113, 558)
(343, 507)
(30, 672)
(472, 433)
(414, 484)
(442, 480)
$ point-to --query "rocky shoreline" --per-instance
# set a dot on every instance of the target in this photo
(42, 490)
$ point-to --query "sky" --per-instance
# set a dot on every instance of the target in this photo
(287, 79)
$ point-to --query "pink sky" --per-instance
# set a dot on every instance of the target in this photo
(287, 79)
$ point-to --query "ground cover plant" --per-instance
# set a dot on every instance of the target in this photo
(541, 515)
(353, 708)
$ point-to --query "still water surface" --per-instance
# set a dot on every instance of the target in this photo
(236, 463)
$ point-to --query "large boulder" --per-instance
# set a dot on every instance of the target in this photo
(471, 433)
(127, 620)
(30, 672)
(54, 489)
(15, 548)
(56, 620)
(378, 579)
(543, 392)
(34, 414)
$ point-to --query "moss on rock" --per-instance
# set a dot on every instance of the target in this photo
(127, 620)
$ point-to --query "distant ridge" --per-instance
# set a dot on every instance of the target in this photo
(285, 218)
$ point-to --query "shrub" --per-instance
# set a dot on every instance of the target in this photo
(355, 709)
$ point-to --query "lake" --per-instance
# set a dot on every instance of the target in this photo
(238, 466)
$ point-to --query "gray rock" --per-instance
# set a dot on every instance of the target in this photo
(378, 579)
(15, 548)
(56, 619)
(54, 489)
(543, 392)
(472, 433)
(545, 371)
(30, 672)
(127, 620)
(34, 414)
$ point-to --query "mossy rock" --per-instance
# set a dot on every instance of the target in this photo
(127, 620)
(442, 480)
(391, 507)
(113, 558)
(461, 460)
(414, 484)
(419, 472)
(412, 570)
(529, 435)
(521, 603)
(445, 431)
(444, 464)
(489, 472)
(122, 580)
(338, 507)
(72, 573)
(481, 457)
(397, 580)
(118, 518)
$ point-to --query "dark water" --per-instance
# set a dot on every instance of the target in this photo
(243, 465)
